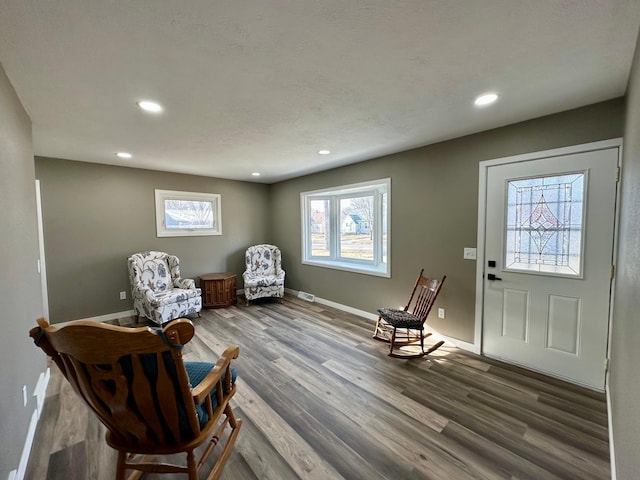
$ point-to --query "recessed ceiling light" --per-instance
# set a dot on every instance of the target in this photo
(124, 155)
(324, 152)
(486, 99)
(256, 174)
(149, 106)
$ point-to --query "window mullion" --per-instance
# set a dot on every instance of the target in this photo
(377, 230)
(334, 249)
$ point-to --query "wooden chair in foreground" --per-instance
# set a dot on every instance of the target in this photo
(405, 327)
(135, 381)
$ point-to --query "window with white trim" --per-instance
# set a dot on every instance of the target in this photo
(346, 227)
(180, 214)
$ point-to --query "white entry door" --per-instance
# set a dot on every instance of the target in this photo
(549, 236)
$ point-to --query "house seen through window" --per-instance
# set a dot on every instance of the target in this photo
(346, 227)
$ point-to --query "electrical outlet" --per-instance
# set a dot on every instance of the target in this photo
(441, 313)
(123, 295)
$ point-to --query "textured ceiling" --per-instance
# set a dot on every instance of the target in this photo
(262, 86)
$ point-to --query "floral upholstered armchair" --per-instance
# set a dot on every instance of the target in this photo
(158, 292)
(263, 276)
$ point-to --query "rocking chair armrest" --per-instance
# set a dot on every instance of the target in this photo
(201, 391)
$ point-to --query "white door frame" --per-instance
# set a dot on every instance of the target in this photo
(482, 205)
(42, 264)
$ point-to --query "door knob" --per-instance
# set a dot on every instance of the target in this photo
(491, 276)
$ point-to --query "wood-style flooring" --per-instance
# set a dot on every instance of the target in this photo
(320, 399)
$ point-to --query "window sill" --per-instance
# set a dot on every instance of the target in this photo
(380, 271)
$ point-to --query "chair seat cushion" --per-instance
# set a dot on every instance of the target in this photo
(400, 318)
(197, 371)
(174, 295)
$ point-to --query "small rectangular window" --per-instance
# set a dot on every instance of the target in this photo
(187, 214)
(346, 227)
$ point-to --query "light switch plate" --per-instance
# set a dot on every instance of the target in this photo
(469, 253)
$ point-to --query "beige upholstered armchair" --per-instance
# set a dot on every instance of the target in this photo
(158, 292)
(263, 276)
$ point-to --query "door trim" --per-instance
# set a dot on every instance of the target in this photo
(41, 260)
(482, 205)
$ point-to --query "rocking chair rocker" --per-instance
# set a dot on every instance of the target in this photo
(404, 327)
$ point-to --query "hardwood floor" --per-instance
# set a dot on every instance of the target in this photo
(320, 399)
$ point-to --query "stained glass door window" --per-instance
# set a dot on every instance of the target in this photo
(545, 224)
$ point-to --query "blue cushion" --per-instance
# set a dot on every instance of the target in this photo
(197, 371)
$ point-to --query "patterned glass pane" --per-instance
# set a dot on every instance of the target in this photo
(544, 226)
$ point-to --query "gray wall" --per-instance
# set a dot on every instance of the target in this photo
(95, 216)
(434, 204)
(625, 336)
(20, 292)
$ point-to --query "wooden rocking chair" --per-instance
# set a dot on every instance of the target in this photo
(405, 327)
(135, 381)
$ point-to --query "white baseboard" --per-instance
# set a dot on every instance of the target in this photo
(26, 451)
(38, 392)
(41, 390)
(101, 318)
(610, 423)
(111, 316)
(339, 306)
(373, 317)
(461, 344)
(348, 309)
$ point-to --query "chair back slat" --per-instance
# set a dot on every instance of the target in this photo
(424, 296)
(170, 407)
(143, 393)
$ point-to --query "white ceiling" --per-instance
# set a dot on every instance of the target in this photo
(263, 85)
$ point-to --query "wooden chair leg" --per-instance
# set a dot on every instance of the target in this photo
(121, 465)
(191, 465)
(375, 330)
(393, 341)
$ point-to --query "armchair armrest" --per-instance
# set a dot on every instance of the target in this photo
(247, 274)
(185, 283)
(141, 290)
